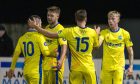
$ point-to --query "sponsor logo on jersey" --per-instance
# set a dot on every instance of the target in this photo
(114, 45)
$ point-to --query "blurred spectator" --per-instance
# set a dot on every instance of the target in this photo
(6, 43)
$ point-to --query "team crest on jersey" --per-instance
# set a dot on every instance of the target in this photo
(59, 31)
(120, 37)
(63, 39)
(45, 43)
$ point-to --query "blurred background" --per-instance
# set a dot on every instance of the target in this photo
(14, 14)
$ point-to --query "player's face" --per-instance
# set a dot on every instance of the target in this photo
(113, 21)
(52, 17)
(2, 33)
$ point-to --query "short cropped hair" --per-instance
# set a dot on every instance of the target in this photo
(2, 27)
(54, 9)
(34, 16)
(81, 15)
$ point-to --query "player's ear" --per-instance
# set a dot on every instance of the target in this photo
(58, 15)
(118, 19)
(86, 19)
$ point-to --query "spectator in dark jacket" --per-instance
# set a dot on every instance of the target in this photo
(6, 43)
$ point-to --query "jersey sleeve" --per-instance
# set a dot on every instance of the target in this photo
(96, 40)
(62, 41)
(63, 33)
(16, 55)
(43, 45)
(127, 39)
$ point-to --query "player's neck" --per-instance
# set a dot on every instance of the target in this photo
(81, 24)
(114, 29)
(31, 29)
(54, 24)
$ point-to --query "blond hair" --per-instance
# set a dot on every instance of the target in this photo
(114, 13)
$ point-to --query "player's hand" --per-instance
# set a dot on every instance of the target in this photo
(33, 23)
(56, 53)
(97, 29)
(59, 64)
(130, 71)
(10, 73)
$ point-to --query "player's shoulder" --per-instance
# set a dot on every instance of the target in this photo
(34, 35)
(22, 36)
(56, 27)
(105, 30)
(73, 28)
(59, 27)
(47, 26)
(122, 29)
(125, 32)
(39, 35)
(70, 28)
(89, 28)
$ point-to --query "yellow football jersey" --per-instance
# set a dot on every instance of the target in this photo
(32, 45)
(81, 43)
(113, 48)
(53, 45)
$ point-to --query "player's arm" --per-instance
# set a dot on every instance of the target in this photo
(97, 29)
(35, 25)
(101, 37)
(63, 42)
(131, 58)
(99, 40)
(62, 56)
(14, 60)
(129, 45)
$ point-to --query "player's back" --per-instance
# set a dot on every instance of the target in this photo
(81, 42)
(29, 44)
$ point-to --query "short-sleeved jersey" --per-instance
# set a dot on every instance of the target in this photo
(53, 45)
(33, 46)
(113, 48)
(81, 42)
